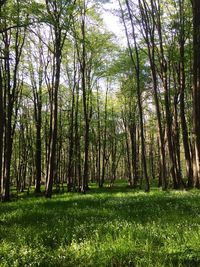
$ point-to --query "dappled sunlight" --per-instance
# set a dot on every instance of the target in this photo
(105, 227)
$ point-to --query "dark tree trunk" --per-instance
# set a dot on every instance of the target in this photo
(38, 156)
(104, 156)
(85, 104)
(136, 64)
(7, 155)
(99, 141)
(133, 136)
(11, 95)
(52, 166)
(164, 66)
(149, 36)
(181, 82)
(129, 167)
(71, 143)
(1, 124)
(78, 172)
(196, 86)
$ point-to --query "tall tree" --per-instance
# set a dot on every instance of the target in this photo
(196, 87)
(13, 42)
(148, 31)
(37, 76)
(182, 89)
(137, 69)
(59, 13)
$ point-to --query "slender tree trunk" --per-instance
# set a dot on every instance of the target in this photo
(1, 125)
(136, 64)
(99, 141)
(85, 104)
(38, 156)
(196, 87)
(164, 74)
(78, 171)
(134, 152)
(128, 153)
(149, 36)
(52, 166)
(7, 155)
(176, 141)
(11, 95)
(181, 82)
(71, 142)
(37, 95)
(104, 156)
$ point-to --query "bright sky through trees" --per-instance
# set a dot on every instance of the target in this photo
(112, 22)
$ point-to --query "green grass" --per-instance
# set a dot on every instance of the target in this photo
(105, 227)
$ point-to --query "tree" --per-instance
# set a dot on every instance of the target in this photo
(137, 68)
(37, 76)
(59, 21)
(196, 87)
(13, 42)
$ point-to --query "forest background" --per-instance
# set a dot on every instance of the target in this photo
(85, 111)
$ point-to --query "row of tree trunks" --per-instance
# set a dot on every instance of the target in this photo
(13, 43)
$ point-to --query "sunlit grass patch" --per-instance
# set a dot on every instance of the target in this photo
(106, 227)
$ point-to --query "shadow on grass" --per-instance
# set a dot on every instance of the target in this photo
(51, 223)
(102, 204)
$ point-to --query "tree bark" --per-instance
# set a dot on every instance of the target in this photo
(181, 81)
(196, 87)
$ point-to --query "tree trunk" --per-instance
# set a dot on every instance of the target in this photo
(52, 166)
(196, 86)
(85, 104)
(38, 155)
(104, 156)
(1, 125)
(149, 35)
(136, 64)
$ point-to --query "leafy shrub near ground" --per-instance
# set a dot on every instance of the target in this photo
(106, 227)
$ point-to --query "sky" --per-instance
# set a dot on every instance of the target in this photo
(112, 22)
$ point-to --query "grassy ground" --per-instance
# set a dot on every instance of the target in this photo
(107, 227)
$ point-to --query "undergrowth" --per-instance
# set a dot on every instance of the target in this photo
(105, 227)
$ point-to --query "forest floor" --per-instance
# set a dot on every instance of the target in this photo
(115, 226)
